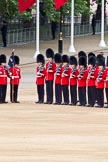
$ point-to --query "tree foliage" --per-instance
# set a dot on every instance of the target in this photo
(52, 14)
(9, 9)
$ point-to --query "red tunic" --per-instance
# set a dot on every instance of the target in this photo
(58, 73)
(40, 79)
(106, 79)
(91, 80)
(82, 79)
(65, 79)
(50, 74)
(73, 78)
(100, 83)
(3, 76)
(16, 75)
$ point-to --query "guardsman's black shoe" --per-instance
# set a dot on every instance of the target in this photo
(17, 102)
(99, 106)
(49, 102)
(45, 102)
(4, 102)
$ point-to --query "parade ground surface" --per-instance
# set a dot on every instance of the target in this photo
(32, 132)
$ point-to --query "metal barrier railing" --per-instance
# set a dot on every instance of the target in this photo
(27, 35)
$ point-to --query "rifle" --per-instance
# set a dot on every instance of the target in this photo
(58, 69)
(100, 73)
(81, 73)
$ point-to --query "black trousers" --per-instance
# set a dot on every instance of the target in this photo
(40, 91)
(100, 96)
(3, 90)
(53, 34)
(82, 95)
(49, 91)
(65, 93)
(93, 28)
(4, 40)
(106, 91)
(58, 93)
(13, 93)
(73, 93)
(91, 95)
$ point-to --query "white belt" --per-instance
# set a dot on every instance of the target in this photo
(38, 76)
(15, 76)
(3, 76)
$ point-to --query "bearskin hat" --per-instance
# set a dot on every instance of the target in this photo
(17, 60)
(92, 60)
(100, 60)
(40, 58)
(73, 60)
(101, 53)
(107, 62)
(2, 58)
(49, 53)
(58, 58)
(83, 61)
(81, 53)
(65, 58)
(91, 54)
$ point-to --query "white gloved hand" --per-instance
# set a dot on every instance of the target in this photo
(12, 77)
(38, 73)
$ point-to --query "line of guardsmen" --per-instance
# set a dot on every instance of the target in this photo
(71, 76)
(14, 74)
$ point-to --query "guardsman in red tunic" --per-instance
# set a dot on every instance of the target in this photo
(14, 80)
(58, 90)
(40, 77)
(3, 78)
(73, 80)
(82, 76)
(106, 82)
(81, 53)
(91, 81)
(65, 79)
(101, 76)
(50, 70)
